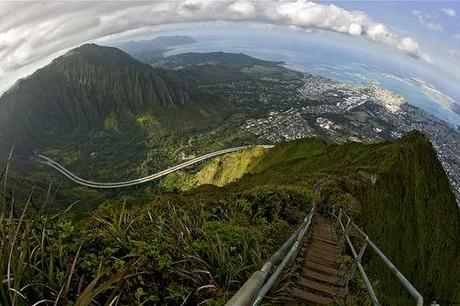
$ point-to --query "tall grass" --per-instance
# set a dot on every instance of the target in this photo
(35, 269)
(178, 254)
(174, 250)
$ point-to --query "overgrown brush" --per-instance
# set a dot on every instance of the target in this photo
(36, 263)
(173, 250)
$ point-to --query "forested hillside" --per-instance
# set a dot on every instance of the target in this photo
(93, 86)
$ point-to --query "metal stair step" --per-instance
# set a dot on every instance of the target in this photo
(322, 236)
(322, 277)
(311, 297)
(329, 289)
(330, 261)
(324, 247)
(333, 242)
(322, 268)
(318, 276)
(329, 255)
(322, 231)
(322, 261)
(321, 247)
(323, 228)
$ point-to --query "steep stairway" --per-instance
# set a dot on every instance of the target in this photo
(318, 279)
(318, 274)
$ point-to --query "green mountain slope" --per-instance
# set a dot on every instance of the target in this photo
(397, 191)
(219, 171)
(202, 244)
(216, 67)
(109, 117)
(79, 91)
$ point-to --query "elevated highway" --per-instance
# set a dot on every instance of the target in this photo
(92, 184)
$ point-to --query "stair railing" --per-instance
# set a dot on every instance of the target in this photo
(256, 287)
(358, 257)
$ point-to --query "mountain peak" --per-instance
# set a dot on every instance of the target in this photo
(102, 55)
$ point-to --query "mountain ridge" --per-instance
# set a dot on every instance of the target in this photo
(77, 91)
(395, 190)
(148, 50)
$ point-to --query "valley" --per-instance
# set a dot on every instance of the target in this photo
(190, 104)
(284, 105)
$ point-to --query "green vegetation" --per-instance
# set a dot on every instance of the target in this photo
(93, 103)
(275, 72)
(215, 67)
(195, 247)
(219, 171)
(87, 93)
(397, 191)
(159, 245)
(200, 245)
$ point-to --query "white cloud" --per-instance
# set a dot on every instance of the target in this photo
(449, 11)
(408, 44)
(245, 8)
(355, 29)
(428, 21)
(30, 32)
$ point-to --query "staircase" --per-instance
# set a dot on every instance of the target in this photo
(319, 279)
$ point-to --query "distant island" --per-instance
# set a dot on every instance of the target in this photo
(145, 49)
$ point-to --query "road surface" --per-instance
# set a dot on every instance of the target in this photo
(58, 167)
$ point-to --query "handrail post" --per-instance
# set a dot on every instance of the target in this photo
(339, 219)
(358, 257)
(363, 248)
(274, 277)
(256, 286)
(347, 227)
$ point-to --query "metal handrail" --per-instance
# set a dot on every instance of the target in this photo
(255, 288)
(358, 256)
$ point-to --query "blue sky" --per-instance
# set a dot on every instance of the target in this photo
(347, 59)
(427, 21)
(400, 15)
(415, 17)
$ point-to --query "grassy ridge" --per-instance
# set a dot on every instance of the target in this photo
(219, 171)
(200, 245)
(411, 212)
(397, 191)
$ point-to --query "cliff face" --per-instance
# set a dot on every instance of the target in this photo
(78, 91)
(411, 212)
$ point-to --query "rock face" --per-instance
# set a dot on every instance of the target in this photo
(78, 91)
